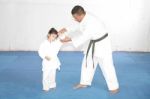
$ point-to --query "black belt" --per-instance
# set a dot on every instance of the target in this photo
(92, 43)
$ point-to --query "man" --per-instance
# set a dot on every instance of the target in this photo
(98, 51)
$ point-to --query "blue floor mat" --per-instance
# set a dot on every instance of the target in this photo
(21, 77)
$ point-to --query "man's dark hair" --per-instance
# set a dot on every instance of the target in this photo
(78, 10)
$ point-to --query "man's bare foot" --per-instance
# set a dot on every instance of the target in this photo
(51, 89)
(45, 90)
(114, 91)
(79, 86)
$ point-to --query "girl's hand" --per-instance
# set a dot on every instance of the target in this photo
(47, 58)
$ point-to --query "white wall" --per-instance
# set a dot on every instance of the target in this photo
(25, 23)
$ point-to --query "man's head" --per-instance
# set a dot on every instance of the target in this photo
(78, 13)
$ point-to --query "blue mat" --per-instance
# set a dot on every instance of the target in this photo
(21, 77)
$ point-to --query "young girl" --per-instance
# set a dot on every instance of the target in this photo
(48, 52)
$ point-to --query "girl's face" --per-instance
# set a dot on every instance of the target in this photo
(52, 37)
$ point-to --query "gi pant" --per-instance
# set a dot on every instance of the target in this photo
(49, 79)
(107, 68)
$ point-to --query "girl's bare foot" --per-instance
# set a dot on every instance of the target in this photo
(79, 86)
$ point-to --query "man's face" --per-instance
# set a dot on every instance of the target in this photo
(77, 17)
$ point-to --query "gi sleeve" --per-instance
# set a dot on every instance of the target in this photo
(72, 28)
(83, 38)
(41, 51)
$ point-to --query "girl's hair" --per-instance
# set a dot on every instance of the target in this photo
(53, 31)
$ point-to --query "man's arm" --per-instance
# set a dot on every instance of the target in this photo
(66, 39)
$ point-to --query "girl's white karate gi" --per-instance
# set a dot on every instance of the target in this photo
(49, 68)
(91, 28)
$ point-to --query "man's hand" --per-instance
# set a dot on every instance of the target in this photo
(47, 58)
(63, 30)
